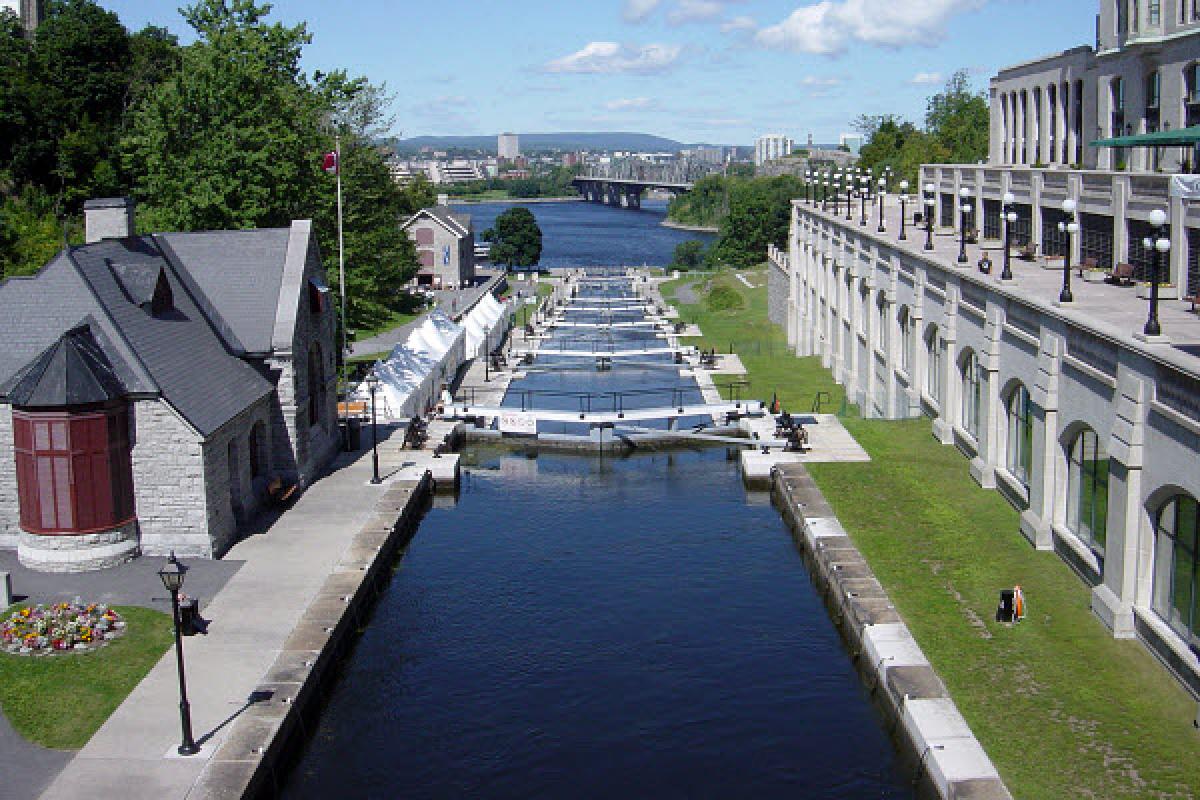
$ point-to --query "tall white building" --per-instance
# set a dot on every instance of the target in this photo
(771, 146)
(507, 146)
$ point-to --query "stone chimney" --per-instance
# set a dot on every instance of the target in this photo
(108, 218)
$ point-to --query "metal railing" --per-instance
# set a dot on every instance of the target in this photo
(616, 402)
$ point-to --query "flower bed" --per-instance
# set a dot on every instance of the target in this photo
(59, 628)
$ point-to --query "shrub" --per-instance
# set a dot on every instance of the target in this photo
(723, 298)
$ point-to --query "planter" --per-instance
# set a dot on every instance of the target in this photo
(1094, 275)
(1166, 291)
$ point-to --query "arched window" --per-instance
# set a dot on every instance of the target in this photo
(906, 339)
(1177, 566)
(1087, 490)
(258, 450)
(972, 394)
(1019, 456)
(933, 362)
(881, 322)
(316, 385)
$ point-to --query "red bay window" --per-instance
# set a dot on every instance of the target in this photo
(74, 473)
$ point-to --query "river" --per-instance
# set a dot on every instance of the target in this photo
(582, 626)
(589, 234)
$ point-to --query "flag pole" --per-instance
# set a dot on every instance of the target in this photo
(337, 155)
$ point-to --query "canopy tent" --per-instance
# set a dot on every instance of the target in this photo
(405, 379)
(482, 323)
(1184, 137)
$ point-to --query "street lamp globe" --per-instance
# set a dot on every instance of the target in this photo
(1163, 245)
(1158, 218)
(964, 193)
(1062, 227)
(172, 574)
(1011, 216)
(1008, 199)
(1072, 227)
(903, 186)
(1147, 243)
(929, 187)
(1068, 206)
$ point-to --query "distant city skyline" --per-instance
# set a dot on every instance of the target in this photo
(721, 71)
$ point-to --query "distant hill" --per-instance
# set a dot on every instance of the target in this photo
(643, 142)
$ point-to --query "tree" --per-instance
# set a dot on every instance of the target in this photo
(233, 139)
(688, 255)
(759, 214)
(957, 119)
(516, 239)
(30, 232)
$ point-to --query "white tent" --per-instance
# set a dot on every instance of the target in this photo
(404, 383)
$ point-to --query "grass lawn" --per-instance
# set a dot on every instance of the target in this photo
(394, 320)
(59, 701)
(1063, 709)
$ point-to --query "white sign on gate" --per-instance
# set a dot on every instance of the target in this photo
(517, 422)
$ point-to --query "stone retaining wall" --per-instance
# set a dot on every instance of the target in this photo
(934, 738)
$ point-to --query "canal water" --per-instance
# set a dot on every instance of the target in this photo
(580, 234)
(582, 626)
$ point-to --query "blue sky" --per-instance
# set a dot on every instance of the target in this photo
(719, 71)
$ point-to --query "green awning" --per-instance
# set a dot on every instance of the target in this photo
(1184, 137)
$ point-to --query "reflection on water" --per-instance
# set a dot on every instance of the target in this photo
(580, 627)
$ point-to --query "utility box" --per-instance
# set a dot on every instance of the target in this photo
(5, 590)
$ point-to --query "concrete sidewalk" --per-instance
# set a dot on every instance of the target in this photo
(133, 754)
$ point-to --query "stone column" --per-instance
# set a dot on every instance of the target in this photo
(943, 425)
(1113, 599)
(1037, 519)
(990, 455)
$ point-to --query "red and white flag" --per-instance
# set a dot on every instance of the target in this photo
(330, 163)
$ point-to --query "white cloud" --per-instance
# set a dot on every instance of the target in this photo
(827, 27)
(698, 10)
(926, 78)
(638, 10)
(631, 104)
(738, 25)
(611, 57)
(814, 82)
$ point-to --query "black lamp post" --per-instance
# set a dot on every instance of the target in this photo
(903, 209)
(849, 197)
(807, 183)
(882, 190)
(864, 192)
(1068, 227)
(1162, 245)
(825, 194)
(965, 210)
(172, 574)
(373, 387)
(1010, 217)
(930, 202)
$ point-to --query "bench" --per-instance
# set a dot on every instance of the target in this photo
(280, 492)
(1121, 275)
(1028, 252)
(353, 409)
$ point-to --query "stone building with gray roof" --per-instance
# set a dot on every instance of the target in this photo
(153, 387)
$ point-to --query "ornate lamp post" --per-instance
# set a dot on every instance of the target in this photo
(965, 210)
(1068, 227)
(1162, 246)
(903, 208)
(864, 192)
(1010, 217)
(849, 196)
(172, 574)
(825, 194)
(373, 387)
(807, 181)
(930, 202)
(882, 190)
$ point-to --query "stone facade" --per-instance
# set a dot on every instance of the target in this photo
(168, 482)
(447, 257)
(10, 529)
(901, 332)
(777, 289)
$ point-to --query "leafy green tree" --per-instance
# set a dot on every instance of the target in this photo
(516, 239)
(958, 120)
(417, 195)
(759, 214)
(233, 139)
(30, 232)
(688, 255)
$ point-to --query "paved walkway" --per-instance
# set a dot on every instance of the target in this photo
(133, 754)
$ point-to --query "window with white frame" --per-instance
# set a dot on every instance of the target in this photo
(1019, 455)
(972, 394)
(906, 340)
(1087, 490)
(881, 322)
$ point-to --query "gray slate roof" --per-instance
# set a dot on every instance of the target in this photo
(72, 371)
(238, 274)
(178, 353)
(458, 224)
